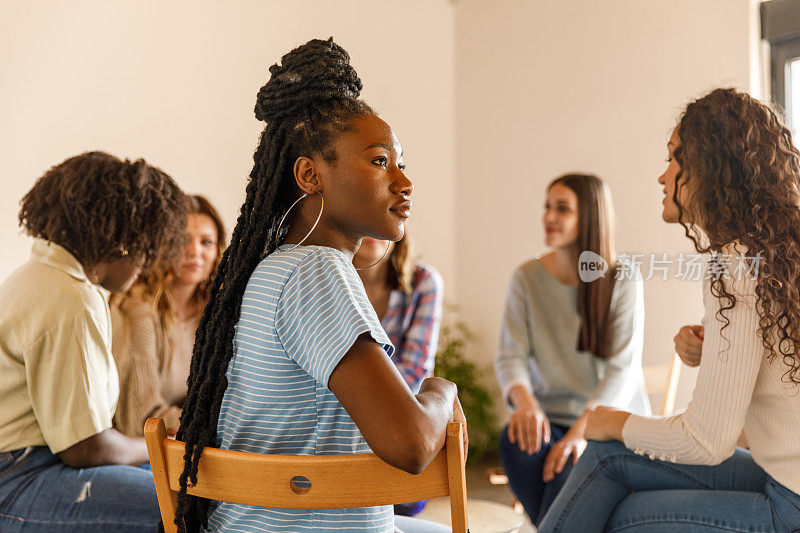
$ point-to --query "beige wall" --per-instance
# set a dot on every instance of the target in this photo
(175, 83)
(551, 86)
(490, 100)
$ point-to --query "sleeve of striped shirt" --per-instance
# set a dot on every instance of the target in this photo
(322, 310)
(416, 355)
(707, 431)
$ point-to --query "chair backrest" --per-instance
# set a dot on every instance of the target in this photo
(320, 481)
(662, 380)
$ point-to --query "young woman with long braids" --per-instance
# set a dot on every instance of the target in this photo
(153, 325)
(733, 182)
(97, 222)
(567, 344)
(289, 355)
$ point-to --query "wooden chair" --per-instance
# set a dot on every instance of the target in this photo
(663, 379)
(336, 481)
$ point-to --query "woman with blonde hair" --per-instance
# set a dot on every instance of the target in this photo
(153, 325)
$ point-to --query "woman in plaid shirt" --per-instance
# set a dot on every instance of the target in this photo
(407, 296)
(408, 299)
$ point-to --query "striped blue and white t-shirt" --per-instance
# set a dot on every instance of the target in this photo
(302, 310)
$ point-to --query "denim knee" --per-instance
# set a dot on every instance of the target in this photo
(604, 448)
(506, 448)
(596, 451)
(512, 452)
(505, 442)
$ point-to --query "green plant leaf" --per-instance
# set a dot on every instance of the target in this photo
(476, 400)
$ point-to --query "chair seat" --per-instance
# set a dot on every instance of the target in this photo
(484, 516)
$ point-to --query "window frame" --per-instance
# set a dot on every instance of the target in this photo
(780, 26)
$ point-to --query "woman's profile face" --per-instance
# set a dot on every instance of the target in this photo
(668, 180)
(366, 190)
(200, 251)
(560, 217)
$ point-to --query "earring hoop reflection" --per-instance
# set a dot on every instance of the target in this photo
(389, 245)
(283, 218)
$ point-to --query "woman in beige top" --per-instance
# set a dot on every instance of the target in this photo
(97, 222)
(153, 325)
(733, 182)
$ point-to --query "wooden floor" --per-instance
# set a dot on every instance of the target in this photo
(478, 486)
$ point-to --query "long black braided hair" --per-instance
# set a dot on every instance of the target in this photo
(310, 99)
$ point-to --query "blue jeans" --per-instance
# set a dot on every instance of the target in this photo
(613, 489)
(38, 492)
(406, 524)
(525, 474)
(409, 509)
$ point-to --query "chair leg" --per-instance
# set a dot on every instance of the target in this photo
(457, 478)
(154, 435)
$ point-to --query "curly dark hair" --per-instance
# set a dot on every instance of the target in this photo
(737, 158)
(310, 99)
(101, 208)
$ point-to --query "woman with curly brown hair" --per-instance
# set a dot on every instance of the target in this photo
(733, 182)
(97, 222)
(153, 325)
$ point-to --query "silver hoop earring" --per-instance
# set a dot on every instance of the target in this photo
(280, 224)
(379, 260)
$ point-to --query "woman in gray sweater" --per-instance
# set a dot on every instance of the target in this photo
(570, 340)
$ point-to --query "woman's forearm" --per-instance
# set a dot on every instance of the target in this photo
(521, 398)
(109, 447)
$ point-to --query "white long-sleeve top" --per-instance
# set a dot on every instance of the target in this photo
(737, 388)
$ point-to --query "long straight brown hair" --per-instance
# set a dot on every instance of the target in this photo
(595, 234)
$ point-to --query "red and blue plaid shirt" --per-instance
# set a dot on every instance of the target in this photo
(412, 324)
